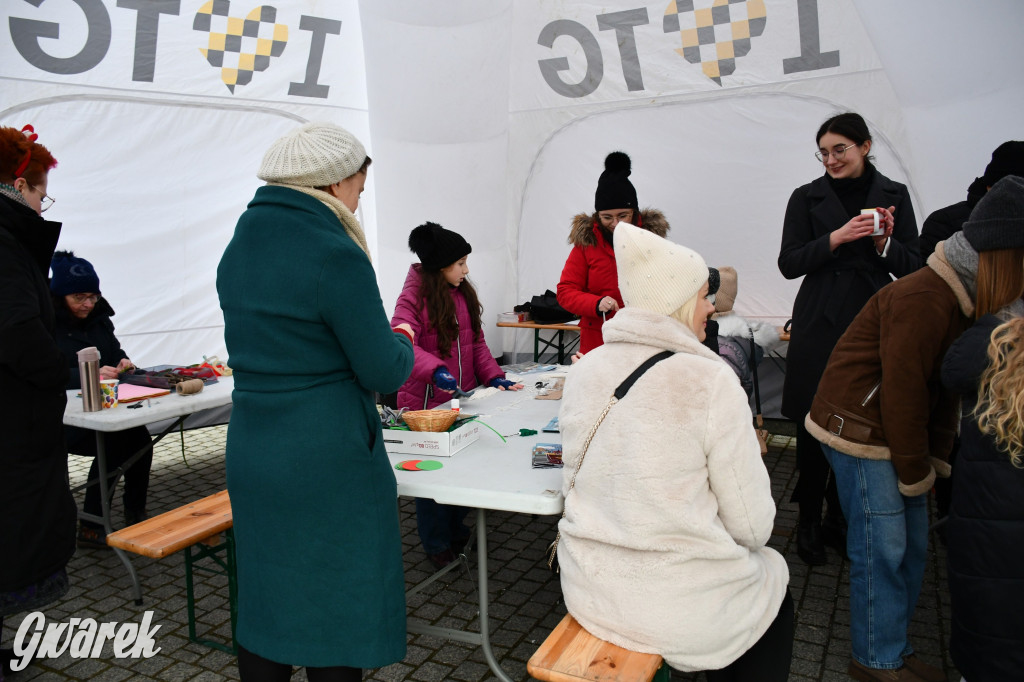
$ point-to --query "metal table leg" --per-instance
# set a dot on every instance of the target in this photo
(485, 629)
(105, 496)
(482, 638)
(101, 466)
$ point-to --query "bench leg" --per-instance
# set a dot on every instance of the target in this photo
(227, 566)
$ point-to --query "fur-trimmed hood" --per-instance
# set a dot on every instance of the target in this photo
(582, 232)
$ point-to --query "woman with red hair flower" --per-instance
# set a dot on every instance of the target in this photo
(35, 501)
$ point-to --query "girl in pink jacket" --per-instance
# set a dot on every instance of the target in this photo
(441, 306)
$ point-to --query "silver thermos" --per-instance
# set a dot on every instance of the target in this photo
(89, 372)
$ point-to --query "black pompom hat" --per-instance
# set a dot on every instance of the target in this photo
(436, 247)
(614, 190)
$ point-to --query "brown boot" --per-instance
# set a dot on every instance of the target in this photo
(924, 670)
(866, 674)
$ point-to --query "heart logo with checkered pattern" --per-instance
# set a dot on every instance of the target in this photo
(240, 47)
(715, 33)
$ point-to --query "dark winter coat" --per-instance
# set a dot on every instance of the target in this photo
(469, 359)
(985, 532)
(590, 274)
(97, 330)
(317, 537)
(942, 224)
(37, 512)
(837, 283)
(881, 396)
(73, 335)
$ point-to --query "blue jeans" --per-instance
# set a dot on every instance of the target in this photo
(887, 541)
(440, 525)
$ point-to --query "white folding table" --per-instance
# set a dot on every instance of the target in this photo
(491, 475)
(121, 418)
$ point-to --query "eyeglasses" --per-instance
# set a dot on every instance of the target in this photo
(838, 154)
(44, 203)
(623, 217)
(79, 299)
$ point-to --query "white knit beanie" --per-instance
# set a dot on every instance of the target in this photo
(313, 155)
(654, 273)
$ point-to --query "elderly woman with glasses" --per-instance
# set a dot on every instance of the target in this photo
(36, 506)
(83, 320)
(845, 256)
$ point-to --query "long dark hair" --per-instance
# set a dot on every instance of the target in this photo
(849, 125)
(436, 293)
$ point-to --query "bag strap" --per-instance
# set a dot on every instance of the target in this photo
(753, 369)
(617, 395)
(627, 384)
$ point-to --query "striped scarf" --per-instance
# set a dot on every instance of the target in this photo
(12, 194)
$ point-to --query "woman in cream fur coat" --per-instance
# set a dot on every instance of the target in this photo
(663, 540)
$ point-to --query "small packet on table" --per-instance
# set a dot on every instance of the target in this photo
(547, 456)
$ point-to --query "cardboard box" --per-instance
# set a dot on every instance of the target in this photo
(428, 444)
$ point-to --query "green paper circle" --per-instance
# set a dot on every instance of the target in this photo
(429, 465)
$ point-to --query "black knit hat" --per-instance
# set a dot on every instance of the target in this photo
(436, 247)
(614, 190)
(72, 275)
(1007, 159)
(714, 280)
(997, 222)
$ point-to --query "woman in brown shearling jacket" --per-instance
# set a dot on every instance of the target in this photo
(886, 423)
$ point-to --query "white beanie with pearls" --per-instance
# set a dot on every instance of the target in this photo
(313, 155)
(654, 273)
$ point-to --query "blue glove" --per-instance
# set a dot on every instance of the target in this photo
(498, 382)
(444, 379)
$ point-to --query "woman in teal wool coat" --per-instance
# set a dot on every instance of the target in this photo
(319, 555)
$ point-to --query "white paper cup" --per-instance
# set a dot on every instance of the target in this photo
(108, 392)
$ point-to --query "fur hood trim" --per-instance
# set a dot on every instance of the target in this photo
(582, 232)
(730, 324)
(937, 262)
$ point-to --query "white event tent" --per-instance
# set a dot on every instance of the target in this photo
(491, 118)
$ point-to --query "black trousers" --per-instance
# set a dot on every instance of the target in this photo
(254, 668)
(768, 660)
(814, 484)
(120, 446)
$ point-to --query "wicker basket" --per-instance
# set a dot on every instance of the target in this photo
(430, 420)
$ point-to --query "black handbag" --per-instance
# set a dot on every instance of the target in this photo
(545, 309)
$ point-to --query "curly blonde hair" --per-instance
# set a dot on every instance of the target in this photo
(1000, 408)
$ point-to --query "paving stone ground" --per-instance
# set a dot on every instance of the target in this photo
(526, 599)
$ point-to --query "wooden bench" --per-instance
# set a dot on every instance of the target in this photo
(196, 528)
(571, 654)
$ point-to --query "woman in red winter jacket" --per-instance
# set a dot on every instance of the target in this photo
(441, 306)
(589, 286)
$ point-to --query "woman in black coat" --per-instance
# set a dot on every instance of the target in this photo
(985, 530)
(83, 320)
(37, 512)
(829, 242)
